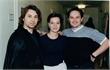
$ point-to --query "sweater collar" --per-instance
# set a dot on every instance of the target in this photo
(77, 29)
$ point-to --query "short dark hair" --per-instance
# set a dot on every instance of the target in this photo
(75, 9)
(25, 10)
(55, 15)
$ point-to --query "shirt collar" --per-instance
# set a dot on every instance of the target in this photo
(78, 28)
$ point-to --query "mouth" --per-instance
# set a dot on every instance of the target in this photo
(74, 23)
(32, 23)
(55, 28)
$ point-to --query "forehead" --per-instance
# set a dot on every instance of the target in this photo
(30, 11)
(75, 13)
(55, 18)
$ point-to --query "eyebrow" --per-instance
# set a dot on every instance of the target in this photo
(30, 14)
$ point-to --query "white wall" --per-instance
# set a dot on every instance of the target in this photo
(6, 26)
(45, 7)
(0, 34)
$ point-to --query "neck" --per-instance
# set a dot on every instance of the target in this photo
(28, 29)
(74, 28)
(52, 35)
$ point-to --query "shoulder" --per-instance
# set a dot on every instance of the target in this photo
(35, 32)
(89, 29)
(65, 30)
(43, 37)
(15, 42)
(62, 37)
(15, 35)
(18, 35)
(85, 27)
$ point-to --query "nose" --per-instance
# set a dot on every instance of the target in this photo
(33, 19)
(55, 25)
(74, 19)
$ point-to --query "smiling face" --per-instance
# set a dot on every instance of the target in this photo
(75, 19)
(54, 24)
(30, 19)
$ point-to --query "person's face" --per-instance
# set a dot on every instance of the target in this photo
(75, 19)
(54, 24)
(30, 19)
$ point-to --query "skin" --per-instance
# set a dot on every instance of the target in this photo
(101, 49)
(54, 25)
(75, 19)
(30, 20)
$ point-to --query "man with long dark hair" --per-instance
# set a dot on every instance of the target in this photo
(23, 51)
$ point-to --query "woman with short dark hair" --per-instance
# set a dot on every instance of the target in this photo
(54, 45)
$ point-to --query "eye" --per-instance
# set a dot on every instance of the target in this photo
(70, 17)
(78, 17)
(51, 23)
(58, 22)
(36, 16)
(29, 15)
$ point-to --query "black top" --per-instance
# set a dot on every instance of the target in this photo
(79, 50)
(53, 50)
(22, 51)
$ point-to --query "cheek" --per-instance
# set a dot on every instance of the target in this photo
(27, 20)
(59, 26)
(80, 20)
(36, 19)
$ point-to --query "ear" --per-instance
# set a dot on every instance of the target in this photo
(81, 19)
(23, 19)
(48, 24)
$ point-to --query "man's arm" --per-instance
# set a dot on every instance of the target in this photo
(15, 44)
(41, 32)
(101, 49)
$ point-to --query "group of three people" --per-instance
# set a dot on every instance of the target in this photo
(76, 49)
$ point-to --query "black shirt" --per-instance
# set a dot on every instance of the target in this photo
(53, 50)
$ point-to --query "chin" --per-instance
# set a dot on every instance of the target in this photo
(31, 27)
(55, 31)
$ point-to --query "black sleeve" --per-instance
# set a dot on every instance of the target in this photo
(65, 49)
(14, 45)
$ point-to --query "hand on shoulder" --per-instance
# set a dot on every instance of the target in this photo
(41, 32)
